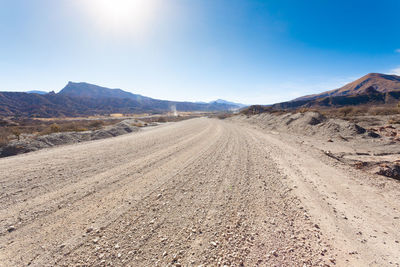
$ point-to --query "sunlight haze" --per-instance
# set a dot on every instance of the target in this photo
(244, 51)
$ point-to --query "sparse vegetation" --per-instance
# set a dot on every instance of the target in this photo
(55, 128)
(346, 112)
(223, 116)
(96, 124)
(3, 140)
(161, 119)
(383, 111)
(394, 120)
(16, 132)
(256, 109)
(16, 128)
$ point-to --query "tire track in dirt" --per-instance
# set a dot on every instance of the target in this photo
(210, 218)
(49, 202)
(199, 192)
(356, 220)
(74, 209)
(70, 166)
(153, 215)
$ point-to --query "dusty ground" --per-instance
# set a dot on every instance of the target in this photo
(197, 192)
(370, 143)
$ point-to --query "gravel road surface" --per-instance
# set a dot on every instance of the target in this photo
(201, 192)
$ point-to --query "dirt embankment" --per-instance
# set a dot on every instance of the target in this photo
(369, 143)
(308, 123)
(32, 143)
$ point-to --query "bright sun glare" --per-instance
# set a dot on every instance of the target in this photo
(121, 16)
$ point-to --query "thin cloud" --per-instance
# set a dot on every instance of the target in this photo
(396, 71)
(397, 50)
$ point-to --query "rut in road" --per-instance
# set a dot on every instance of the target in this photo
(196, 192)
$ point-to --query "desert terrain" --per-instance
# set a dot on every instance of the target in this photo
(199, 192)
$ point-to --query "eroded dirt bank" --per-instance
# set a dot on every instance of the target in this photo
(198, 192)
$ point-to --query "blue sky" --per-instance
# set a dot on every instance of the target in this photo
(254, 52)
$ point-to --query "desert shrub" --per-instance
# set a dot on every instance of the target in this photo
(161, 119)
(3, 140)
(361, 110)
(223, 116)
(96, 124)
(66, 127)
(17, 132)
(304, 110)
(81, 129)
(383, 111)
(394, 120)
(345, 111)
(73, 127)
(256, 109)
(54, 128)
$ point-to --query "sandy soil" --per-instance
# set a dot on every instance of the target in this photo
(197, 192)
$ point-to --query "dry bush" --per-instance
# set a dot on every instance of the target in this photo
(17, 132)
(384, 110)
(166, 118)
(395, 120)
(96, 124)
(255, 109)
(42, 127)
(223, 116)
(3, 140)
(302, 110)
(162, 119)
(5, 135)
(75, 126)
(55, 128)
(345, 111)
(72, 127)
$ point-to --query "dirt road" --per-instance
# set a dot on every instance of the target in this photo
(198, 192)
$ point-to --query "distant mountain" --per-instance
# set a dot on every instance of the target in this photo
(371, 89)
(221, 101)
(95, 91)
(370, 97)
(37, 92)
(81, 99)
(380, 82)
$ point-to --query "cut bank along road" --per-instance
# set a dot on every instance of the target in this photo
(198, 192)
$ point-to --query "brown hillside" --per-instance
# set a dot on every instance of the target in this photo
(382, 83)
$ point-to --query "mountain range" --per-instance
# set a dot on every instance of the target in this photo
(82, 99)
(221, 101)
(37, 92)
(382, 83)
(371, 89)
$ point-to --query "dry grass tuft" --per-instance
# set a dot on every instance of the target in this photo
(25, 126)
